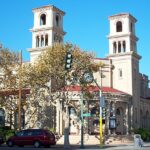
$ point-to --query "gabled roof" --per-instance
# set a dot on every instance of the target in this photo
(94, 89)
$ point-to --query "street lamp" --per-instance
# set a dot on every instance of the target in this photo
(87, 78)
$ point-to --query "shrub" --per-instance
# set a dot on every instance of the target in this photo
(145, 134)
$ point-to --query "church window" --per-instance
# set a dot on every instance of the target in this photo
(124, 46)
(119, 26)
(37, 41)
(42, 41)
(131, 27)
(119, 47)
(46, 40)
(114, 47)
(118, 112)
(120, 73)
(57, 20)
(43, 19)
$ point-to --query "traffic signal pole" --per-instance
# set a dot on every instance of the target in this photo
(102, 103)
(100, 122)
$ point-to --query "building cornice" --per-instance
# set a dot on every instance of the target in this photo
(121, 15)
(123, 35)
(38, 49)
(58, 30)
(124, 54)
(48, 7)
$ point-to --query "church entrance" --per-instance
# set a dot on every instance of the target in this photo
(119, 121)
(94, 121)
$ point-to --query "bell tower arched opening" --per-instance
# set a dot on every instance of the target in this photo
(43, 19)
(119, 26)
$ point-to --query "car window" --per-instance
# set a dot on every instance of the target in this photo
(36, 132)
(20, 133)
(27, 133)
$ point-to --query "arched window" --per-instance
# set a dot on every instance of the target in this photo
(120, 73)
(118, 112)
(37, 41)
(124, 46)
(2, 117)
(43, 19)
(119, 47)
(57, 20)
(114, 47)
(46, 40)
(119, 26)
(131, 27)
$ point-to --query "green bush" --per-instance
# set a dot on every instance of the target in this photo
(145, 134)
(6, 133)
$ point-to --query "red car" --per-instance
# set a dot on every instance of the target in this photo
(35, 137)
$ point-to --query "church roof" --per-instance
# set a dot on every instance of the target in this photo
(123, 14)
(94, 89)
(48, 7)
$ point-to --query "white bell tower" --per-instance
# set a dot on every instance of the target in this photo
(124, 57)
(47, 29)
(122, 37)
(123, 51)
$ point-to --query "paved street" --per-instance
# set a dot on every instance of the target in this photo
(77, 147)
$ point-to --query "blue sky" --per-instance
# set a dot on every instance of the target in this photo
(86, 23)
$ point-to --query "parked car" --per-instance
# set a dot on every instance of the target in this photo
(1, 139)
(35, 137)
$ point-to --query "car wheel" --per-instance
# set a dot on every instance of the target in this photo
(10, 143)
(37, 144)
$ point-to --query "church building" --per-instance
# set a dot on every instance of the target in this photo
(124, 89)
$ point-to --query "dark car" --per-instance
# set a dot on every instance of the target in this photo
(35, 137)
(1, 139)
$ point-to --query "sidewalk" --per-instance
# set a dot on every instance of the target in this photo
(106, 147)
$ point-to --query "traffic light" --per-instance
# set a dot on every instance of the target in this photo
(104, 113)
(68, 61)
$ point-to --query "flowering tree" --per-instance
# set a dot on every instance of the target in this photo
(48, 72)
(9, 68)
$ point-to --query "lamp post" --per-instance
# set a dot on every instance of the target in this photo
(87, 78)
(82, 122)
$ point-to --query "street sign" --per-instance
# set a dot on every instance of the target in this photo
(102, 101)
(87, 115)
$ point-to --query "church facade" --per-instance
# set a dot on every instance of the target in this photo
(124, 89)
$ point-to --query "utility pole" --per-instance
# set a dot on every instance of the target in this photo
(68, 65)
(102, 104)
(20, 91)
(82, 122)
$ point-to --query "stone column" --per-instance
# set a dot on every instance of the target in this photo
(117, 42)
(127, 118)
(39, 41)
(121, 46)
(114, 113)
(107, 118)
